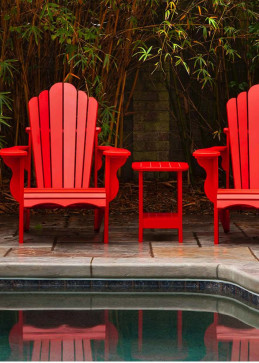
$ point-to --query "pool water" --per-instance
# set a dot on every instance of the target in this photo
(126, 335)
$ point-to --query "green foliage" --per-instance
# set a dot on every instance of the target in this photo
(210, 47)
(201, 32)
(145, 53)
(7, 69)
(85, 42)
(211, 51)
(5, 102)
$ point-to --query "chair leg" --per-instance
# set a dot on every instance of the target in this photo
(106, 224)
(21, 222)
(98, 216)
(224, 216)
(107, 336)
(27, 219)
(216, 225)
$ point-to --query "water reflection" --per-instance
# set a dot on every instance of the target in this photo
(72, 335)
(62, 336)
(238, 341)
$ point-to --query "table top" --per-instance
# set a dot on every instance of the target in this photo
(160, 166)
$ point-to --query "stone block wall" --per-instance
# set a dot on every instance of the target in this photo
(151, 120)
(153, 129)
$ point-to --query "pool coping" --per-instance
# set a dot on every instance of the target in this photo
(244, 274)
(239, 281)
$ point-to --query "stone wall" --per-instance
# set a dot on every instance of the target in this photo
(151, 118)
(152, 131)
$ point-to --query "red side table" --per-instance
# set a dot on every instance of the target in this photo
(160, 220)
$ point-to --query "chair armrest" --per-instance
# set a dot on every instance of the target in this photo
(15, 151)
(215, 151)
(208, 160)
(16, 158)
(115, 152)
(99, 150)
(103, 148)
(114, 159)
(108, 150)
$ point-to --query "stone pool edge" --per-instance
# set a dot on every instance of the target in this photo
(244, 274)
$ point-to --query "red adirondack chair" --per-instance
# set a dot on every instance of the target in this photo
(243, 144)
(63, 136)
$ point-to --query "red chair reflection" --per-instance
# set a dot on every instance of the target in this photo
(63, 342)
(241, 343)
(245, 342)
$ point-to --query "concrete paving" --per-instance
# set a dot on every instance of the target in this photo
(65, 246)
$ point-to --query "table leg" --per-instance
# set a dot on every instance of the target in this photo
(179, 329)
(140, 235)
(140, 330)
(180, 206)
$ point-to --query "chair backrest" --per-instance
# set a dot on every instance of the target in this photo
(243, 121)
(63, 122)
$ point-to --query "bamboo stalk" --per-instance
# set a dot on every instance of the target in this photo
(5, 27)
(132, 90)
(113, 114)
(119, 109)
(75, 36)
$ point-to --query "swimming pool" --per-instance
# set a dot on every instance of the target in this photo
(129, 327)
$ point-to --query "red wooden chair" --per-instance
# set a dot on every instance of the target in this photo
(63, 136)
(243, 144)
